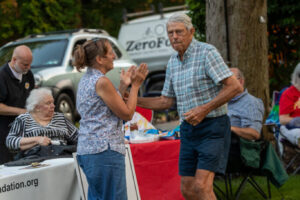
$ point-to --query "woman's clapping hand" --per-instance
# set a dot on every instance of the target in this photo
(139, 75)
(125, 77)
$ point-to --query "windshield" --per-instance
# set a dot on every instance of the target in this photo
(45, 53)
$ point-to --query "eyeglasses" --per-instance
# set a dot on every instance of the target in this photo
(95, 42)
(179, 32)
(95, 39)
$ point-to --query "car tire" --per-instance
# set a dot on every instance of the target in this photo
(65, 105)
(156, 87)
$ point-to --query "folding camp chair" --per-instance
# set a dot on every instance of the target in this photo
(220, 194)
(247, 163)
(248, 169)
(292, 161)
(288, 152)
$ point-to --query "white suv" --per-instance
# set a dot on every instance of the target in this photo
(51, 66)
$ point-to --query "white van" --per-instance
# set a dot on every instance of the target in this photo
(145, 40)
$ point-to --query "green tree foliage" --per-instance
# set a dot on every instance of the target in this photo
(284, 40)
(108, 14)
(7, 17)
(22, 17)
(19, 18)
(105, 14)
(197, 13)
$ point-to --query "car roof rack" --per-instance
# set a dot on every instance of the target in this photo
(161, 11)
(69, 31)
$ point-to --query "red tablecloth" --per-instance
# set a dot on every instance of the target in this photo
(156, 168)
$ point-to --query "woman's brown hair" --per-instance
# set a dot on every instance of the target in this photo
(85, 54)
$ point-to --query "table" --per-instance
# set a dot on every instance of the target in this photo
(156, 169)
(56, 181)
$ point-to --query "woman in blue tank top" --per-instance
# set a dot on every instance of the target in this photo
(101, 149)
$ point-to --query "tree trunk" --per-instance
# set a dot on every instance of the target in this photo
(216, 26)
(247, 40)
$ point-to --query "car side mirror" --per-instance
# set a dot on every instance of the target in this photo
(70, 63)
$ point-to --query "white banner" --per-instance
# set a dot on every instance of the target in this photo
(55, 179)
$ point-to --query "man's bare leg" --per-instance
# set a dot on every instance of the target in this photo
(199, 187)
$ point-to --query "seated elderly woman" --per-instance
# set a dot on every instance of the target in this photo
(40, 125)
(289, 109)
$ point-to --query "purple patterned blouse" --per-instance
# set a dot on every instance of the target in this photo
(99, 126)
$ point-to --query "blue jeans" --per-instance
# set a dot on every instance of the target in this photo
(105, 173)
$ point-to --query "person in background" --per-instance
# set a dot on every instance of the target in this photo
(201, 83)
(16, 82)
(40, 125)
(245, 111)
(246, 114)
(289, 109)
(101, 148)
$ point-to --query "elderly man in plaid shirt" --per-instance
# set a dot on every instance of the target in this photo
(246, 114)
(200, 82)
(245, 111)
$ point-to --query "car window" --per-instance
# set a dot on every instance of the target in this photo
(116, 50)
(5, 55)
(45, 53)
(79, 42)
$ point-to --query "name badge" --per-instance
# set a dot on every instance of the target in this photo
(27, 85)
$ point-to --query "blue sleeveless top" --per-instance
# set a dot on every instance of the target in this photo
(99, 126)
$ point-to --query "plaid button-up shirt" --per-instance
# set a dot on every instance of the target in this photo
(246, 111)
(196, 80)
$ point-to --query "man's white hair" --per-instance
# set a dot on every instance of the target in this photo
(181, 18)
(296, 77)
(36, 96)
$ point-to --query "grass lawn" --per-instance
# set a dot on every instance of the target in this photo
(289, 191)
